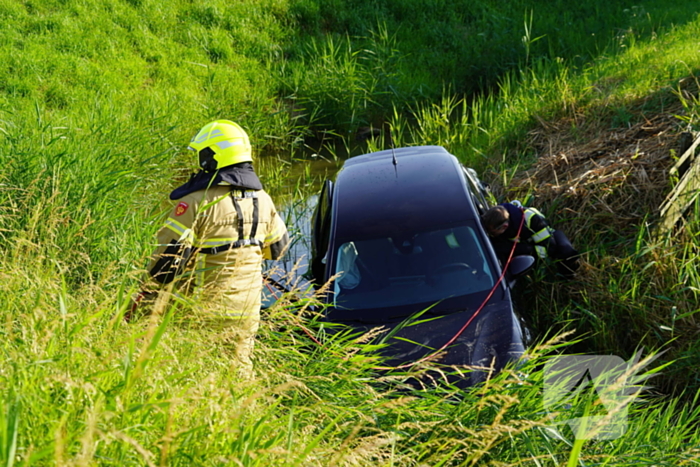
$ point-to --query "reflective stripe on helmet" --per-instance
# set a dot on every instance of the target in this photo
(221, 143)
(228, 143)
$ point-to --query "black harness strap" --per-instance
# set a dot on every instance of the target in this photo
(230, 246)
(242, 241)
(239, 214)
(254, 227)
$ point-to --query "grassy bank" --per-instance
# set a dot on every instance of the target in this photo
(368, 57)
(97, 101)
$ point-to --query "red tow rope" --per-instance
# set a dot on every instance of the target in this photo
(461, 330)
(476, 313)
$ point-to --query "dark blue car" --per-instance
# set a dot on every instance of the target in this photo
(399, 235)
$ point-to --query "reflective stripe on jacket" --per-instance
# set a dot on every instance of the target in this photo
(539, 228)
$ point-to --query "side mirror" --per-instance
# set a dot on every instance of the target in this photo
(520, 265)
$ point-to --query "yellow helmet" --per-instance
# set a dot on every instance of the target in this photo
(221, 143)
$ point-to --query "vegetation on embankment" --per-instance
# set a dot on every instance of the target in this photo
(373, 56)
(97, 102)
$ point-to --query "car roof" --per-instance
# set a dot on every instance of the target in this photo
(424, 190)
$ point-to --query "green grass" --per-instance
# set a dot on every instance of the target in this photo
(367, 57)
(89, 389)
(97, 103)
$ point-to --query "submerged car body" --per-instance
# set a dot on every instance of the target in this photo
(398, 233)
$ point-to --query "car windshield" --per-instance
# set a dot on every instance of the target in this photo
(410, 269)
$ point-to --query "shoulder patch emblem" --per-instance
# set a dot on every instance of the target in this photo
(181, 208)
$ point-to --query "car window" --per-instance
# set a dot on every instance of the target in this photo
(477, 191)
(320, 232)
(410, 269)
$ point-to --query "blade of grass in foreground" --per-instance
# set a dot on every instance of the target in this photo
(9, 424)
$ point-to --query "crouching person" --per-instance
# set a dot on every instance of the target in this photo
(212, 245)
(536, 238)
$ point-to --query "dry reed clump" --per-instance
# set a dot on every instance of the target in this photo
(604, 178)
(602, 186)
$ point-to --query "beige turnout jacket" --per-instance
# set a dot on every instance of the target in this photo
(213, 244)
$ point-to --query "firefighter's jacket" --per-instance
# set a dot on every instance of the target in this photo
(535, 228)
(213, 244)
(535, 236)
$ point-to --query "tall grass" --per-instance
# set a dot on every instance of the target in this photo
(97, 102)
(88, 389)
(398, 53)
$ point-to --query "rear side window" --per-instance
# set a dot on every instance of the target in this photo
(477, 190)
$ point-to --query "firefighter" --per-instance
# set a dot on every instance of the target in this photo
(537, 238)
(221, 228)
